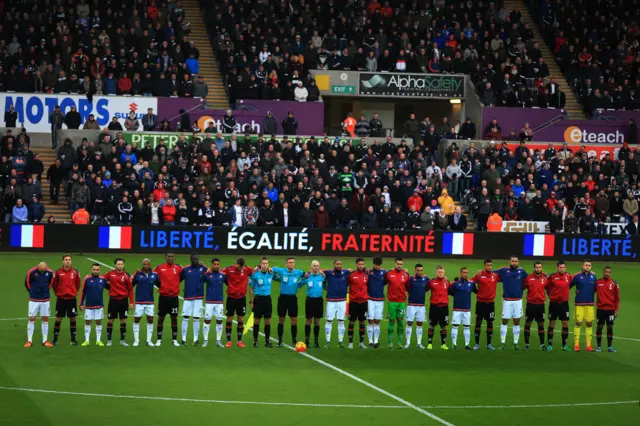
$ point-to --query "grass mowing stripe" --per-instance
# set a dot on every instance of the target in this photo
(351, 376)
(206, 401)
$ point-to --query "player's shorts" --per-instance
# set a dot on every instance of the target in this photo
(288, 304)
(95, 314)
(213, 310)
(167, 305)
(336, 310)
(511, 309)
(535, 312)
(66, 308)
(143, 309)
(118, 308)
(606, 316)
(559, 311)
(485, 311)
(397, 310)
(585, 313)
(192, 308)
(461, 317)
(314, 307)
(375, 309)
(438, 315)
(358, 311)
(42, 309)
(262, 307)
(416, 313)
(236, 306)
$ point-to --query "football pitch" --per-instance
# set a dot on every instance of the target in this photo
(191, 385)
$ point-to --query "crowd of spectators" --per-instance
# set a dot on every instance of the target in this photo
(133, 47)
(266, 51)
(596, 45)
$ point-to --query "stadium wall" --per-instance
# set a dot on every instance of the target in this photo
(312, 242)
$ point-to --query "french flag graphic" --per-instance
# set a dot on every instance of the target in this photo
(539, 245)
(114, 237)
(31, 236)
(457, 243)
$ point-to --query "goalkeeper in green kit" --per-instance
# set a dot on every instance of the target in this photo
(397, 280)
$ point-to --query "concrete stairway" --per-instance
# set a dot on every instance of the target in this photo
(572, 107)
(217, 98)
(59, 211)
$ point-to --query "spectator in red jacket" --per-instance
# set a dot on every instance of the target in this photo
(415, 200)
(359, 203)
(169, 213)
(322, 217)
(158, 193)
(124, 84)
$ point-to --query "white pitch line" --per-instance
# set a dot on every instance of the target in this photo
(579, 404)
(206, 401)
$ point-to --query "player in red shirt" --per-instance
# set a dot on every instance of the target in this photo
(358, 297)
(168, 289)
(237, 282)
(487, 281)
(608, 305)
(558, 290)
(120, 299)
(439, 307)
(66, 283)
(536, 286)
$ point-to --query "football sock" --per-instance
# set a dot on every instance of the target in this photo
(256, 332)
(316, 333)
(45, 331)
(267, 333)
(228, 330)
(350, 333)
(430, 335)
(98, 332)
(503, 333)
(196, 329)
(205, 331)
(476, 334)
(174, 330)
(219, 332)
(454, 335)
(489, 332)
(376, 333)
(307, 333)
(280, 332)
(294, 334)
(327, 331)
(160, 328)
(609, 335)
(576, 336)
(149, 331)
(136, 332)
(361, 332)
(56, 331)
(419, 334)
(400, 332)
(407, 333)
(123, 332)
(443, 336)
(516, 334)
(185, 328)
(589, 335)
(550, 336)
(599, 335)
(390, 327)
(30, 328)
(341, 328)
(109, 331)
(565, 335)
(87, 332)
(467, 335)
(240, 330)
(72, 329)
(541, 333)
(370, 332)
(527, 333)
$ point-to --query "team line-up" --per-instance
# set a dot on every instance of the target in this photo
(362, 287)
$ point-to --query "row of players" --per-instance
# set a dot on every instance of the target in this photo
(363, 287)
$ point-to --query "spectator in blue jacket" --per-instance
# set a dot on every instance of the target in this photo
(37, 210)
(20, 213)
(192, 64)
(128, 155)
(110, 85)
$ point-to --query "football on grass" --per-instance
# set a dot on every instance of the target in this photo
(301, 347)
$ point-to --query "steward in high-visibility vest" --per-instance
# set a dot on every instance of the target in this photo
(494, 223)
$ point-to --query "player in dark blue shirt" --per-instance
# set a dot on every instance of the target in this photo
(92, 303)
(461, 291)
(193, 277)
(214, 281)
(416, 311)
(513, 278)
(144, 281)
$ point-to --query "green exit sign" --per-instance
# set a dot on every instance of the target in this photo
(347, 90)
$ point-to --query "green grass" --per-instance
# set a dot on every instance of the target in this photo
(440, 381)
